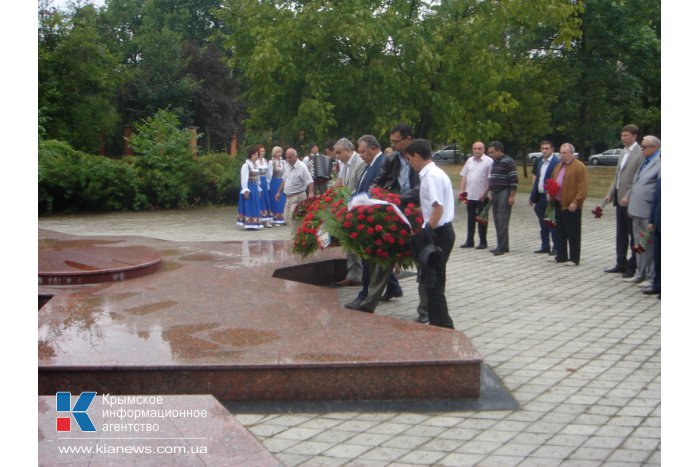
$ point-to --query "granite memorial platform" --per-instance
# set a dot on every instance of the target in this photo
(240, 320)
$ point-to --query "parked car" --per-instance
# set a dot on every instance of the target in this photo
(609, 157)
(534, 155)
(449, 152)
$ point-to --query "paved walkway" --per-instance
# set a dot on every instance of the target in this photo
(579, 349)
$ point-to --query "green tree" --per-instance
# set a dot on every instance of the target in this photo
(163, 159)
(78, 76)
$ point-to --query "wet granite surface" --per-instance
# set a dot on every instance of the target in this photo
(214, 320)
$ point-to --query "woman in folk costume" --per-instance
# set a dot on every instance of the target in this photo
(250, 198)
(262, 165)
(274, 174)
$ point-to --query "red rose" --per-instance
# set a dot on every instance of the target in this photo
(361, 226)
(370, 231)
(368, 250)
(354, 235)
(378, 228)
(348, 216)
(403, 232)
(402, 242)
(370, 219)
(361, 217)
(347, 224)
(393, 227)
(378, 242)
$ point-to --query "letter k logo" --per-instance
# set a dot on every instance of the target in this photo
(79, 411)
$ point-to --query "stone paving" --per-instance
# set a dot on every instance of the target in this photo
(579, 349)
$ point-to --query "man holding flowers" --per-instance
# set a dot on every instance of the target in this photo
(571, 176)
(438, 208)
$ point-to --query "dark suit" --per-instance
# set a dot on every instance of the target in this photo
(389, 172)
(540, 203)
(370, 175)
(374, 278)
(655, 218)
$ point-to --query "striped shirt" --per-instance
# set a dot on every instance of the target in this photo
(503, 175)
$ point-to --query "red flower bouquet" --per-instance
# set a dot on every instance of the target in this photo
(552, 188)
(378, 229)
(598, 211)
(315, 211)
(644, 242)
(483, 216)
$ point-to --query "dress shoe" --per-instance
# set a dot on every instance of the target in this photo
(651, 291)
(627, 274)
(644, 284)
(483, 246)
(360, 308)
(553, 253)
(541, 250)
(347, 283)
(389, 295)
(465, 245)
(570, 263)
(616, 269)
(422, 318)
(634, 279)
(497, 252)
(353, 304)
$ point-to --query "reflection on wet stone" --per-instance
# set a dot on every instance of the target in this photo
(244, 337)
(150, 308)
(213, 319)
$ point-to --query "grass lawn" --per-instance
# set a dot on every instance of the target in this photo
(599, 178)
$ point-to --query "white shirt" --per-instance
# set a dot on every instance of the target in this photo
(435, 187)
(543, 170)
(625, 156)
(477, 173)
(296, 178)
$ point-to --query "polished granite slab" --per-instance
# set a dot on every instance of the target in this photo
(214, 320)
(198, 430)
(68, 262)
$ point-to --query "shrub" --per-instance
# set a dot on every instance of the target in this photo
(71, 180)
(216, 179)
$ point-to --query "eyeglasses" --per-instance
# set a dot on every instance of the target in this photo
(396, 141)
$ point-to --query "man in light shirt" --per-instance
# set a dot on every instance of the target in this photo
(296, 183)
(542, 170)
(438, 210)
(618, 193)
(475, 182)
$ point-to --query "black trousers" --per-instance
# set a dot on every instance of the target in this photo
(568, 234)
(437, 303)
(545, 231)
(624, 239)
(473, 209)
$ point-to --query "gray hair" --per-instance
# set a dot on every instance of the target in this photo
(293, 150)
(370, 141)
(652, 140)
(568, 145)
(276, 149)
(344, 143)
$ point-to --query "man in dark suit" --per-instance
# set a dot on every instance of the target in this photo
(374, 277)
(655, 225)
(542, 170)
(627, 167)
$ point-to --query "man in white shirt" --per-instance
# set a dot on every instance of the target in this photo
(475, 182)
(438, 210)
(296, 183)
